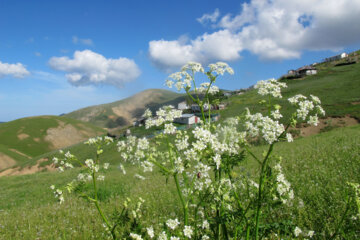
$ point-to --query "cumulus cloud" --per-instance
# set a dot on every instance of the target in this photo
(209, 17)
(17, 70)
(85, 41)
(221, 45)
(87, 67)
(273, 30)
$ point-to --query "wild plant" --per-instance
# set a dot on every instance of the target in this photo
(219, 200)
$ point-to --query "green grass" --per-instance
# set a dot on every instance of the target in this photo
(337, 88)
(318, 168)
(34, 131)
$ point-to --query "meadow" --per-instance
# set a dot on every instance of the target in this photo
(318, 167)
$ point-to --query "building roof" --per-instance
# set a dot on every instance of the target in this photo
(306, 68)
(187, 115)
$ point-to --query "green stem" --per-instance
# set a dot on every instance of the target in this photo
(98, 206)
(260, 192)
(183, 203)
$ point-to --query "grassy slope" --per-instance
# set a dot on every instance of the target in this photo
(36, 130)
(317, 167)
(337, 87)
(132, 107)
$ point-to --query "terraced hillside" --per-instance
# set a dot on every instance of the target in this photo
(25, 138)
(124, 112)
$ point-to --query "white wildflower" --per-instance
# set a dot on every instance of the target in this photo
(135, 236)
(139, 177)
(276, 114)
(172, 223)
(297, 231)
(150, 232)
(188, 231)
(289, 137)
(310, 234)
(106, 165)
(122, 169)
(217, 160)
(193, 66)
(169, 128)
(270, 87)
(101, 178)
(162, 236)
(313, 120)
(147, 113)
(205, 225)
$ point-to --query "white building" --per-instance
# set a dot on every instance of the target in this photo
(187, 119)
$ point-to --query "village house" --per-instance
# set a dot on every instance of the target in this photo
(306, 70)
(335, 58)
(301, 72)
(187, 119)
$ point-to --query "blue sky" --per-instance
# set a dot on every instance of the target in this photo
(59, 56)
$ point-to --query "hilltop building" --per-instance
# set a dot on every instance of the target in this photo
(335, 58)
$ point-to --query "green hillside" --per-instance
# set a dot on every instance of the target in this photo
(338, 87)
(124, 112)
(26, 138)
(329, 159)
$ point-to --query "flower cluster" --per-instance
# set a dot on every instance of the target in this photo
(306, 107)
(270, 87)
(258, 125)
(283, 187)
(220, 68)
(185, 78)
(166, 114)
(58, 193)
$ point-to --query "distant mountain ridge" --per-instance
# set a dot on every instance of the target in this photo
(122, 113)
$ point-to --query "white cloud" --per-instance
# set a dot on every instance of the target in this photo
(209, 17)
(88, 67)
(221, 45)
(85, 41)
(17, 70)
(273, 30)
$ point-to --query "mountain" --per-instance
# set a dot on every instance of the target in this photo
(124, 112)
(23, 139)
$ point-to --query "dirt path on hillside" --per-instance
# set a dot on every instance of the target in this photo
(6, 161)
(20, 153)
(28, 170)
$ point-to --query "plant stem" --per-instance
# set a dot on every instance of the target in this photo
(184, 205)
(112, 231)
(263, 165)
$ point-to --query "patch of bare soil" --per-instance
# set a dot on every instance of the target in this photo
(22, 136)
(37, 139)
(355, 103)
(28, 170)
(64, 135)
(325, 125)
(6, 161)
(20, 153)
